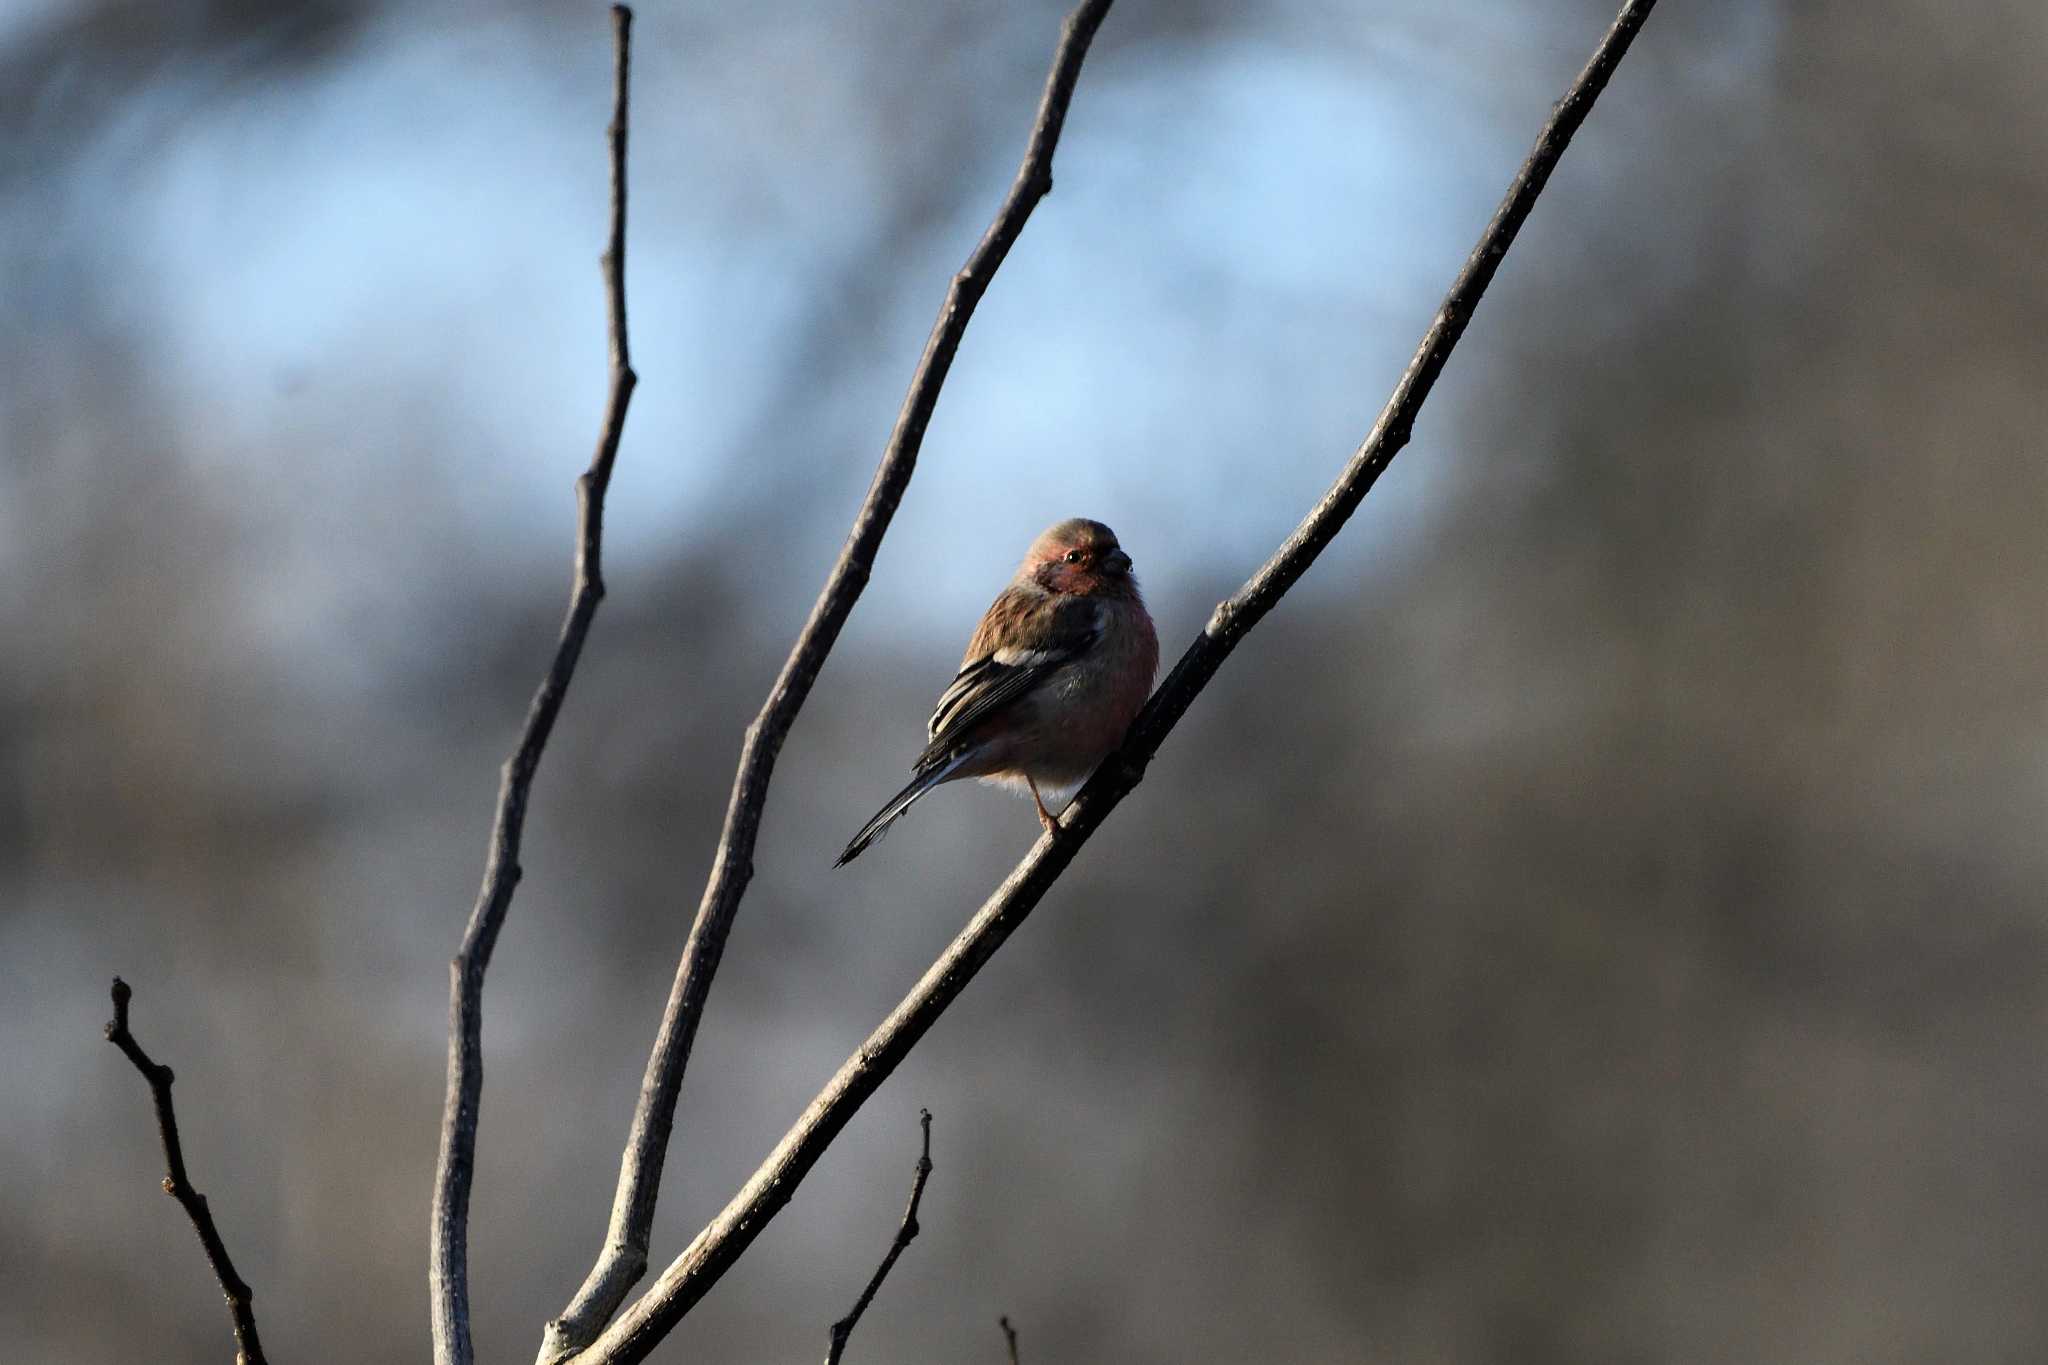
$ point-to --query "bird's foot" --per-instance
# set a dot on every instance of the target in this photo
(1046, 818)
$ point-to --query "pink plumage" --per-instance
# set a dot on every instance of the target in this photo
(1058, 668)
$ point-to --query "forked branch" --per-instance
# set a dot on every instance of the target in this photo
(178, 1185)
(728, 1235)
(448, 1260)
(623, 1259)
(906, 1232)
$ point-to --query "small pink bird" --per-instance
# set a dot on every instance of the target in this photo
(1057, 670)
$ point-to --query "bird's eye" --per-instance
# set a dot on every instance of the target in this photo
(1073, 556)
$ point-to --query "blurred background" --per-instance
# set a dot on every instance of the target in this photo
(1602, 916)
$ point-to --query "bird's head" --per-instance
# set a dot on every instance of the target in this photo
(1081, 557)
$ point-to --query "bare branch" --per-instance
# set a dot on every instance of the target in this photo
(771, 1186)
(1009, 1338)
(178, 1185)
(905, 1234)
(624, 1257)
(448, 1264)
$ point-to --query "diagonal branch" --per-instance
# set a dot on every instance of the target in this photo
(448, 1264)
(905, 1234)
(178, 1185)
(728, 1235)
(1009, 1337)
(624, 1257)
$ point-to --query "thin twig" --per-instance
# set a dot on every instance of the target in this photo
(448, 1264)
(1009, 1338)
(905, 1234)
(178, 1185)
(728, 1235)
(623, 1259)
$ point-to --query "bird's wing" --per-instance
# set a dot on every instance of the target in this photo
(1022, 640)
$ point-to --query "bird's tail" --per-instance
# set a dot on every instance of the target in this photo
(898, 804)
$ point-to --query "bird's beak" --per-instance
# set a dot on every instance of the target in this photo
(1117, 562)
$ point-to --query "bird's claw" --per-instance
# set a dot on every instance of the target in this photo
(1046, 819)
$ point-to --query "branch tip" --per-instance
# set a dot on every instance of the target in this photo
(906, 1232)
(177, 1184)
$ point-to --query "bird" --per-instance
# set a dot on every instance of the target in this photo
(1055, 673)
